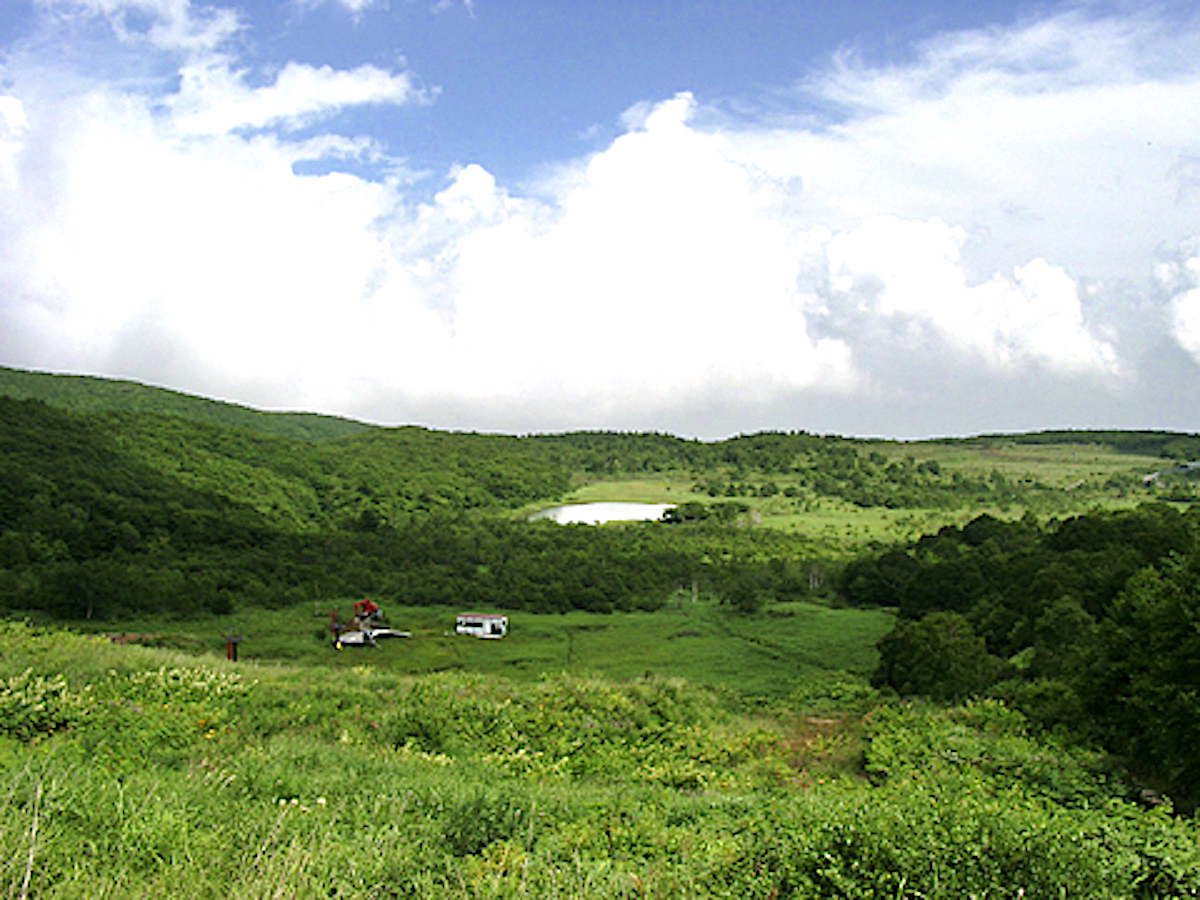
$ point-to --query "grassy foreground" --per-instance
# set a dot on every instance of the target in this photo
(132, 772)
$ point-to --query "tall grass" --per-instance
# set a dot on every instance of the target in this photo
(159, 775)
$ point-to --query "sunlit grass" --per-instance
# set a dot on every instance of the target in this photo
(765, 655)
(184, 777)
(1056, 465)
(675, 488)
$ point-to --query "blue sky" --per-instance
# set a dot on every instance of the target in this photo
(526, 83)
(908, 218)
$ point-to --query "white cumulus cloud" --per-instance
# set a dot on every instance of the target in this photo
(911, 271)
(12, 113)
(1181, 279)
(973, 217)
(654, 275)
(1068, 139)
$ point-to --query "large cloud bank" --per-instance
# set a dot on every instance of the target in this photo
(997, 233)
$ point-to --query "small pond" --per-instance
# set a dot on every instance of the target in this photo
(599, 513)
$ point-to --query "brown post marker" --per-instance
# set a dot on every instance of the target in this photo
(231, 645)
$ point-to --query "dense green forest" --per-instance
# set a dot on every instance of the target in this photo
(352, 467)
(1087, 625)
(119, 512)
(88, 394)
(1165, 444)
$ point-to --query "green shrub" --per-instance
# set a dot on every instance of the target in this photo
(33, 706)
(986, 739)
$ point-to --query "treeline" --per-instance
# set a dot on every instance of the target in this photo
(117, 513)
(1088, 625)
(436, 560)
(834, 467)
(792, 465)
(214, 565)
(53, 459)
(125, 467)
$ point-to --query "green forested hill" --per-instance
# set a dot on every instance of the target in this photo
(88, 394)
(379, 477)
(108, 509)
(291, 484)
(120, 512)
(470, 470)
(392, 471)
(93, 494)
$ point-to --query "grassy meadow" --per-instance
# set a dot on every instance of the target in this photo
(762, 656)
(137, 772)
(1056, 465)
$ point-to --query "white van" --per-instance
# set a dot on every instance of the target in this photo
(482, 625)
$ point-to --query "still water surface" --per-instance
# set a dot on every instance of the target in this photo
(599, 513)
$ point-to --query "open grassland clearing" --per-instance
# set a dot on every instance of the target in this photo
(832, 524)
(666, 488)
(765, 655)
(1055, 465)
(840, 527)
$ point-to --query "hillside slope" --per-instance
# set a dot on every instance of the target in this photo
(88, 394)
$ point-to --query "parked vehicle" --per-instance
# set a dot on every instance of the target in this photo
(366, 627)
(492, 626)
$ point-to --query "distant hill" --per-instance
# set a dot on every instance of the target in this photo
(89, 394)
(112, 511)
(291, 484)
(599, 452)
(1166, 444)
